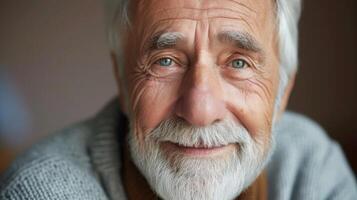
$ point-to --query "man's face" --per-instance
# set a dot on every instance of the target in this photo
(195, 69)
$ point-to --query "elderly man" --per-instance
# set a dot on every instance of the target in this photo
(200, 115)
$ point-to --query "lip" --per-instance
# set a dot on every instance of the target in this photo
(196, 151)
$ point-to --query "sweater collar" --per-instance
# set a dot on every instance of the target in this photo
(109, 128)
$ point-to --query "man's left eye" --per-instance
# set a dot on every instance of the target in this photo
(239, 64)
(165, 62)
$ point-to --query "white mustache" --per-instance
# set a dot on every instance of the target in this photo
(181, 133)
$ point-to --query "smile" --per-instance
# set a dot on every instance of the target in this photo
(198, 150)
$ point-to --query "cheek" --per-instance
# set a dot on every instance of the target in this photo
(252, 103)
(153, 103)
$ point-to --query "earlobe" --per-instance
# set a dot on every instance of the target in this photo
(285, 98)
(120, 88)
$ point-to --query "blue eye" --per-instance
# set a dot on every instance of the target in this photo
(239, 63)
(165, 62)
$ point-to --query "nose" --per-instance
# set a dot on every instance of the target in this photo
(201, 102)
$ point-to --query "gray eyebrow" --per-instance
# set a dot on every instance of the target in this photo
(241, 40)
(163, 40)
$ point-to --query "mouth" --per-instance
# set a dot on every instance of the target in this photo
(197, 150)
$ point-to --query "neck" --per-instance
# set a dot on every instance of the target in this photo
(137, 188)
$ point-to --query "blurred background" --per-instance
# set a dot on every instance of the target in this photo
(55, 69)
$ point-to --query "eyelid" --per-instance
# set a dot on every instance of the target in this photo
(175, 59)
(157, 60)
(161, 58)
(248, 61)
(172, 71)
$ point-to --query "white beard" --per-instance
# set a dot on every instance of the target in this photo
(174, 176)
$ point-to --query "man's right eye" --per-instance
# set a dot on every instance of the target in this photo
(165, 62)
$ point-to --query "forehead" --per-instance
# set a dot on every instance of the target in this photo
(252, 14)
(255, 6)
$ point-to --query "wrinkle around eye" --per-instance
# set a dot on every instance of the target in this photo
(240, 74)
(154, 72)
(158, 23)
(151, 60)
(263, 87)
(159, 73)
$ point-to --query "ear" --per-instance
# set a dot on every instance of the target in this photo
(285, 98)
(119, 82)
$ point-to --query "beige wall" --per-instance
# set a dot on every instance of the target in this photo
(56, 53)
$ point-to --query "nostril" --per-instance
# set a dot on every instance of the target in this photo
(217, 121)
(180, 118)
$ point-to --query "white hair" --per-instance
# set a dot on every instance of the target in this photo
(217, 177)
(287, 18)
(287, 13)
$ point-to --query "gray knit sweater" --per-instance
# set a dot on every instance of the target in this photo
(82, 162)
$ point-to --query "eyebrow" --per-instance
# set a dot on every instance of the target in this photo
(163, 40)
(241, 40)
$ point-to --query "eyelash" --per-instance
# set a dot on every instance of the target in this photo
(157, 61)
(175, 61)
(247, 61)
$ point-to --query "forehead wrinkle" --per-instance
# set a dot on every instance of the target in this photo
(233, 5)
(159, 28)
(199, 13)
(243, 5)
(196, 14)
(171, 11)
(212, 12)
(155, 26)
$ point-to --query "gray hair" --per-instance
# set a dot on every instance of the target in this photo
(287, 12)
(287, 17)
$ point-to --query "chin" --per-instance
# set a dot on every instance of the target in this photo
(181, 162)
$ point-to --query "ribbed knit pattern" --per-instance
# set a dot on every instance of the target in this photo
(83, 162)
(307, 164)
(58, 168)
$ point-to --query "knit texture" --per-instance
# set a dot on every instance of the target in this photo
(83, 162)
